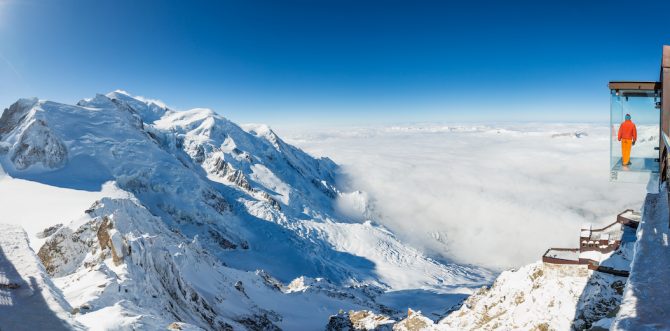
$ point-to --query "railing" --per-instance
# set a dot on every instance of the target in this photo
(663, 158)
(558, 260)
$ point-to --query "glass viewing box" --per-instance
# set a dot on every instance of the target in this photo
(640, 100)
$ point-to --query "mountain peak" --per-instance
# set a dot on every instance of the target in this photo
(207, 206)
(120, 91)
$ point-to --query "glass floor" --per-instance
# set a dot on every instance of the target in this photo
(638, 164)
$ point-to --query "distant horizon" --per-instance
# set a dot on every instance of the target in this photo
(604, 120)
(335, 62)
(305, 125)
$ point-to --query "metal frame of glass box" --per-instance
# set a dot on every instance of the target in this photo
(663, 85)
(642, 100)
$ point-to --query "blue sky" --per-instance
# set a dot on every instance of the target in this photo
(337, 62)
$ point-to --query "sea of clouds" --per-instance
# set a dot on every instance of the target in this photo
(490, 195)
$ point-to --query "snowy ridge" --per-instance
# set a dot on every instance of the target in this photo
(28, 298)
(538, 296)
(207, 223)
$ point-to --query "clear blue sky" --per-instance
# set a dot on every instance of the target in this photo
(342, 62)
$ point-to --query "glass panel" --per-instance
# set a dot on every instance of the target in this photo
(644, 118)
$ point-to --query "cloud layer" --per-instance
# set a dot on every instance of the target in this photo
(495, 196)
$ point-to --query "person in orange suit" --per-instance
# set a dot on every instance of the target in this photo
(627, 137)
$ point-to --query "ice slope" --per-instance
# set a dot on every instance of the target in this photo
(28, 298)
(208, 224)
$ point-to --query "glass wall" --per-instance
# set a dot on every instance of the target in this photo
(645, 118)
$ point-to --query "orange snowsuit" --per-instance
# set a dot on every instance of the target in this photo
(627, 137)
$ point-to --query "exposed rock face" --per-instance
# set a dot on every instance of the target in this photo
(49, 231)
(29, 141)
(539, 296)
(14, 114)
(29, 300)
(414, 322)
(216, 201)
(36, 144)
(107, 237)
(62, 253)
(270, 281)
(271, 200)
(148, 265)
(340, 322)
(180, 326)
(367, 320)
(216, 165)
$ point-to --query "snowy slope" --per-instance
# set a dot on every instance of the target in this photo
(540, 296)
(194, 219)
(56, 204)
(535, 297)
(646, 299)
(28, 298)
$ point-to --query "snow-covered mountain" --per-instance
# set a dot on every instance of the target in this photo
(192, 221)
(538, 296)
(541, 296)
